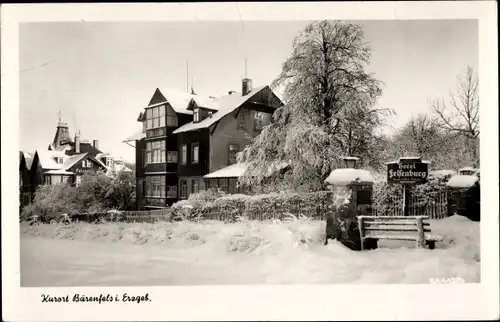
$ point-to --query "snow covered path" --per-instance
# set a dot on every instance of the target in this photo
(52, 260)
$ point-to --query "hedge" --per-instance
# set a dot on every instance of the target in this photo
(253, 207)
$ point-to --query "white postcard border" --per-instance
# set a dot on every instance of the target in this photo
(335, 302)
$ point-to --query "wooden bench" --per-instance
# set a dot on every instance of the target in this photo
(373, 228)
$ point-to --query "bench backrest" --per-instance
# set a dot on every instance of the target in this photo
(415, 224)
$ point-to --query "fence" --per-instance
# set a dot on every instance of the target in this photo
(435, 208)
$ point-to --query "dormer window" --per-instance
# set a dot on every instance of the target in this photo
(108, 162)
(59, 160)
(196, 115)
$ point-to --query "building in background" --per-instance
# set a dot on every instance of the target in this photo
(64, 160)
(185, 137)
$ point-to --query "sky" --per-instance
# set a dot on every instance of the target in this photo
(101, 75)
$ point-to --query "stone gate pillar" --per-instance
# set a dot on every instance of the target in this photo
(352, 196)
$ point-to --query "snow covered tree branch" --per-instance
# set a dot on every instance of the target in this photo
(329, 107)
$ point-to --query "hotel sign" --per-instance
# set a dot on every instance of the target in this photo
(407, 171)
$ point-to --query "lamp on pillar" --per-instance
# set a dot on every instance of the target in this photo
(350, 162)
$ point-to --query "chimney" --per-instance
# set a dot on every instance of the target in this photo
(246, 86)
(96, 144)
(77, 142)
(231, 92)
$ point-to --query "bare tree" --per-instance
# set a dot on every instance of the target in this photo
(461, 114)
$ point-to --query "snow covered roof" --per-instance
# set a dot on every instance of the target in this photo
(462, 181)
(238, 169)
(61, 171)
(348, 175)
(206, 102)
(233, 171)
(467, 169)
(224, 105)
(48, 162)
(121, 167)
(442, 173)
(139, 135)
(351, 158)
(179, 100)
(47, 159)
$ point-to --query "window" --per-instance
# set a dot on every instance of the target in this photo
(223, 184)
(46, 179)
(86, 164)
(195, 157)
(172, 156)
(155, 117)
(171, 118)
(183, 189)
(56, 179)
(155, 132)
(59, 160)
(172, 192)
(233, 182)
(108, 162)
(241, 120)
(155, 186)
(196, 186)
(212, 184)
(258, 121)
(155, 152)
(78, 180)
(233, 150)
(184, 154)
(196, 115)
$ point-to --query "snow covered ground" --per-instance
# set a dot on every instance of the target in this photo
(163, 254)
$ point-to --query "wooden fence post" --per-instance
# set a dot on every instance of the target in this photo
(420, 232)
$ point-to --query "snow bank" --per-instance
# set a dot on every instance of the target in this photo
(248, 252)
(462, 181)
(442, 173)
(346, 176)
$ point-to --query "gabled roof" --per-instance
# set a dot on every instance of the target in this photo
(204, 102)
(179, 100)
(224, 105)
(47, 161)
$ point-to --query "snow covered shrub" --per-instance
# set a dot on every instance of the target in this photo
(50, 201)
(427, 193)
(205, 196)
(387, 198)
(183, 210)
(314, 205)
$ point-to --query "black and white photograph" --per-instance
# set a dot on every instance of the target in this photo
(329, 151)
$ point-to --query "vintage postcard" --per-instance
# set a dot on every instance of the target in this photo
(250, 161)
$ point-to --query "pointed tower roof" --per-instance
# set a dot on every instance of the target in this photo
(62, 133)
